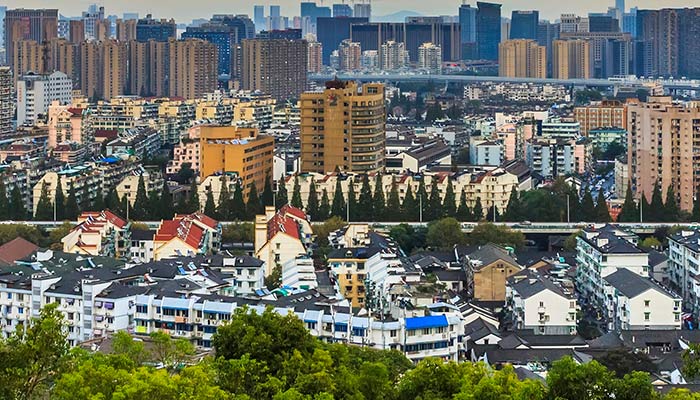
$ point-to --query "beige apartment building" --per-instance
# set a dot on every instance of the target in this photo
(603, 114)
(193, 69)
(343, 127)
(274, 66)
(662, 141)
(572, 59)
(522, 58)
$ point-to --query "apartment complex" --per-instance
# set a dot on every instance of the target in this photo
(27, 24)
(275, 66)
(343, 127)
(430, 58)
(193, 68)
(661, 144)
(227, 149)
(572, 59)
(36, 92)
(603, 114)
(7, 109)
(522, 58)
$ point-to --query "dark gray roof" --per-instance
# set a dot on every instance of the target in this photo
(689, 239)
(141, 235)
(490, 253)
(656, 258)
(632, 285)
(354, 252)
(117, 291)
(529, 283)
(450, 275)
(531, 340)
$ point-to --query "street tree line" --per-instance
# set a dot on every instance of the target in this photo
(271, 356)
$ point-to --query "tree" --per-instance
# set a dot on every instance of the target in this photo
(60, 201)
(432, 379)
(434, 112)
(238, 211)
(421, 200)
(588, 213)
(18, 211)
(478, 211)
(393, 204)
(352, 200)
(140, 208)
(237, 233)
(185, 174)
(338, 207)
(124, 344)
(408, 237)
(656, 209)
(513, 211)
(623, 362)
(409, 208)
(296, 194)
(322, 231)
(434, 210)
(192, 204)
(651, 243)
(253, 206)
(568, 380)
(209, 205)
(281, 196)
(72, 209)
(44, 207)
(312, 202)
(629, 212)
(691, 362)
(365, 210)
(267, 197)
(645, 209)
(324, 209)
(99, 203)
(464, 214)
(112, 201)
(449, 203)
(602, 214)
(33, 356)
(487, 232)
(445, 233)
(379, 202)
(166, 208)
(672, 211)
(4, 201)
(170, 353)
(223, 209)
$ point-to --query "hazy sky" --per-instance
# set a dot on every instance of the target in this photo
(185, 10)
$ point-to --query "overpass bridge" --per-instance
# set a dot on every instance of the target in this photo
(674, 84)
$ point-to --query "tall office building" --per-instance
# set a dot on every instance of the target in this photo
(573, 23)
(259, 18)
(349, 54)
(152, 29)
(430, 58)
(522, 58)
(393, 56)
(192, 69)
(315, 58)
(572, 59)
(225, 39)
(467, 22)
(351, 136)
(310, 13)
(90, 18)
(342, 10)
(362, 10)
(524, 25)
(488, 30)
(35, 92)
(7, 109)
(660, 147)
(25, 24)
(275, 21)
(3, 10)
(241, 24)
(331, 31)
(274, 66)
(603, 23)
(547, 33)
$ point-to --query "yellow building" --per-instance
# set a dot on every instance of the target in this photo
(226, 149)
(572, 59)
(522, 58)
(343, 127)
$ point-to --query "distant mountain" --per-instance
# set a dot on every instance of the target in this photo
(399, 16)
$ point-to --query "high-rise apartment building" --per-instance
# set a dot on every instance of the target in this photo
(3, 10)
(7, 109)
(225, 39)
(76, 33)
(430, 58)
(524, 25)
(25, 24)
(393, 56)
(103, 69)
(274, 66)
(661, 146)
(522, 58)
(28, 55)
(36, 92)
(126, 30)
(315, 58)
(488, 30)
(343, 127)
(192, 69)
(152, 29)
(572, 59)
(604, 114)
(349, 53)
(43, 58)
(148, 66)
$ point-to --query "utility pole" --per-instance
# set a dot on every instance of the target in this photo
(568, 210)
(420, 209)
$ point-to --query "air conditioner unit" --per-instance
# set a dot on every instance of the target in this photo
(197, 320)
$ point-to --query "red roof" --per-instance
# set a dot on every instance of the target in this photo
(106, 133)
(206, 220)
(182, 228)
(75, 110)
(99, 218)
(16, 249)
(287, 209)
(282, 223)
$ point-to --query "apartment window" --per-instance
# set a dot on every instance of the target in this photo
(20, 310)
(677, 317)
(541, 303)
(646, 316)
(646, 303)
(572, 304)
(393, 333)
(411, 332)
(426, 331)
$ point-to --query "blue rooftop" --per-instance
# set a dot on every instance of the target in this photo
(433, 321)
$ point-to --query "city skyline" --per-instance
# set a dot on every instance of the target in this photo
(183, 12)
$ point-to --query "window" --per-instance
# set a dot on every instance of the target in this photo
(426, 331)
(646, 303)
(411, 332)
(20, 310)
(393, 333)
(646, 316)
(541, 303)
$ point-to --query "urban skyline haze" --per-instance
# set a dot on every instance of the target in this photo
(184, 12)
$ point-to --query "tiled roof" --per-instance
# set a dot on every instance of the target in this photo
(16, 249)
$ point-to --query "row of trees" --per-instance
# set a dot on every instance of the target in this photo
(270, 356)
(657, 210)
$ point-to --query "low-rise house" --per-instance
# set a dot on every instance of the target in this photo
(684, 267)
(299, 273)
(635, 302)
(99, 234)
(186, 236)
(488, 269)
(281, 236)
(536, 302)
